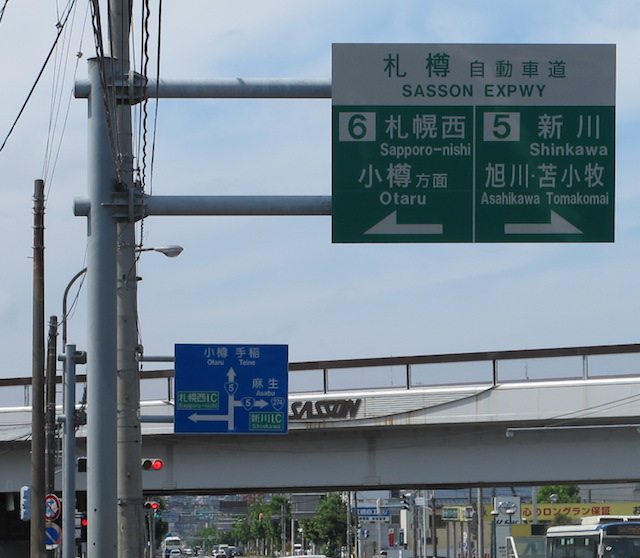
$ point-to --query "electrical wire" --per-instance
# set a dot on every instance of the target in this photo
(157, 100)
(61, 26)
(146, 172)
(108, 93)
(4, 7)
(587, 411)
(57, 114)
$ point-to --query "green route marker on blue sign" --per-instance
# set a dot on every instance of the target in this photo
(473, 143)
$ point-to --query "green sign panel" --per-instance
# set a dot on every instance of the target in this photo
(198, 400)
(473, 143)
(265, 421)
(450, 513)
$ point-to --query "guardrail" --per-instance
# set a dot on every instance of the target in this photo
(490, 368)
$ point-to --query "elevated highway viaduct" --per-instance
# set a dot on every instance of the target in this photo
(468, 420)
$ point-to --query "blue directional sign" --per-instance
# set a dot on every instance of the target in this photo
(370, 512)
(231, 389)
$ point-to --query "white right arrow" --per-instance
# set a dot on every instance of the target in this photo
(557, 225)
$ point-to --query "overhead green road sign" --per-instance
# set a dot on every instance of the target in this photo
(473, 143)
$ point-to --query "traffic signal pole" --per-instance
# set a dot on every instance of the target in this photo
(102, 320)
(114, 477)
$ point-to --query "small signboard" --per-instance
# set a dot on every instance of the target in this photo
(473, 143)
(371, 514)
(450, 513)
(52, 535)
(457, 513)
(52, 507)
(233, 389)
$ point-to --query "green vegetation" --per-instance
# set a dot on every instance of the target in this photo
(267, 527)
(560, 494)
(329, 526)
(566, 494)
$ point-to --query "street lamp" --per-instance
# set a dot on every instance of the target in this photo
(170, 251)
(494, 517)
(69, 360)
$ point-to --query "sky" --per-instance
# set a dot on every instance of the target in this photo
(281, 280)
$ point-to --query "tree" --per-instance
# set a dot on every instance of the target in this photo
(210, 535)
(241, 533)
(329, 525)
(267, 521)
(565, 494)
(560, 494)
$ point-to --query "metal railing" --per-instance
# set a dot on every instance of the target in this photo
(490, 368)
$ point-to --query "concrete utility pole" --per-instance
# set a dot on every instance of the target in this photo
(36, 534)
(129, 476)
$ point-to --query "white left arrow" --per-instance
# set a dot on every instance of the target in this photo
(195, 417)
(557, 225)
(389, 225)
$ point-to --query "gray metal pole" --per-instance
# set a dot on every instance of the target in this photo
(69, 453)
(101, 328)
(223, 205)
(227, 88)
(480, 524)
(50, 408)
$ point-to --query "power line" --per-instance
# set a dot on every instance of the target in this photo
(4, 7)
(40, 73)
(57, 112)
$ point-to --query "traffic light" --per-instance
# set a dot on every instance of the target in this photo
(406, 500)
(152, 464)
(82, 464)
(83, 527)
(25, 503)
(153, 508)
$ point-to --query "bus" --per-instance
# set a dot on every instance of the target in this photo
(596, 537)
(170, 543)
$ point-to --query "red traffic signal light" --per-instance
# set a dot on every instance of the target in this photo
(153, 509)
(152, 463)
(83, 527)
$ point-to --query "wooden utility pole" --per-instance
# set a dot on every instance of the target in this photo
(37, 383)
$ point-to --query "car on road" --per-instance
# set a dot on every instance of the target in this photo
(175, 552)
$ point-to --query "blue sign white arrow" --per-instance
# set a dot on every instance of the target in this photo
(231, 389)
